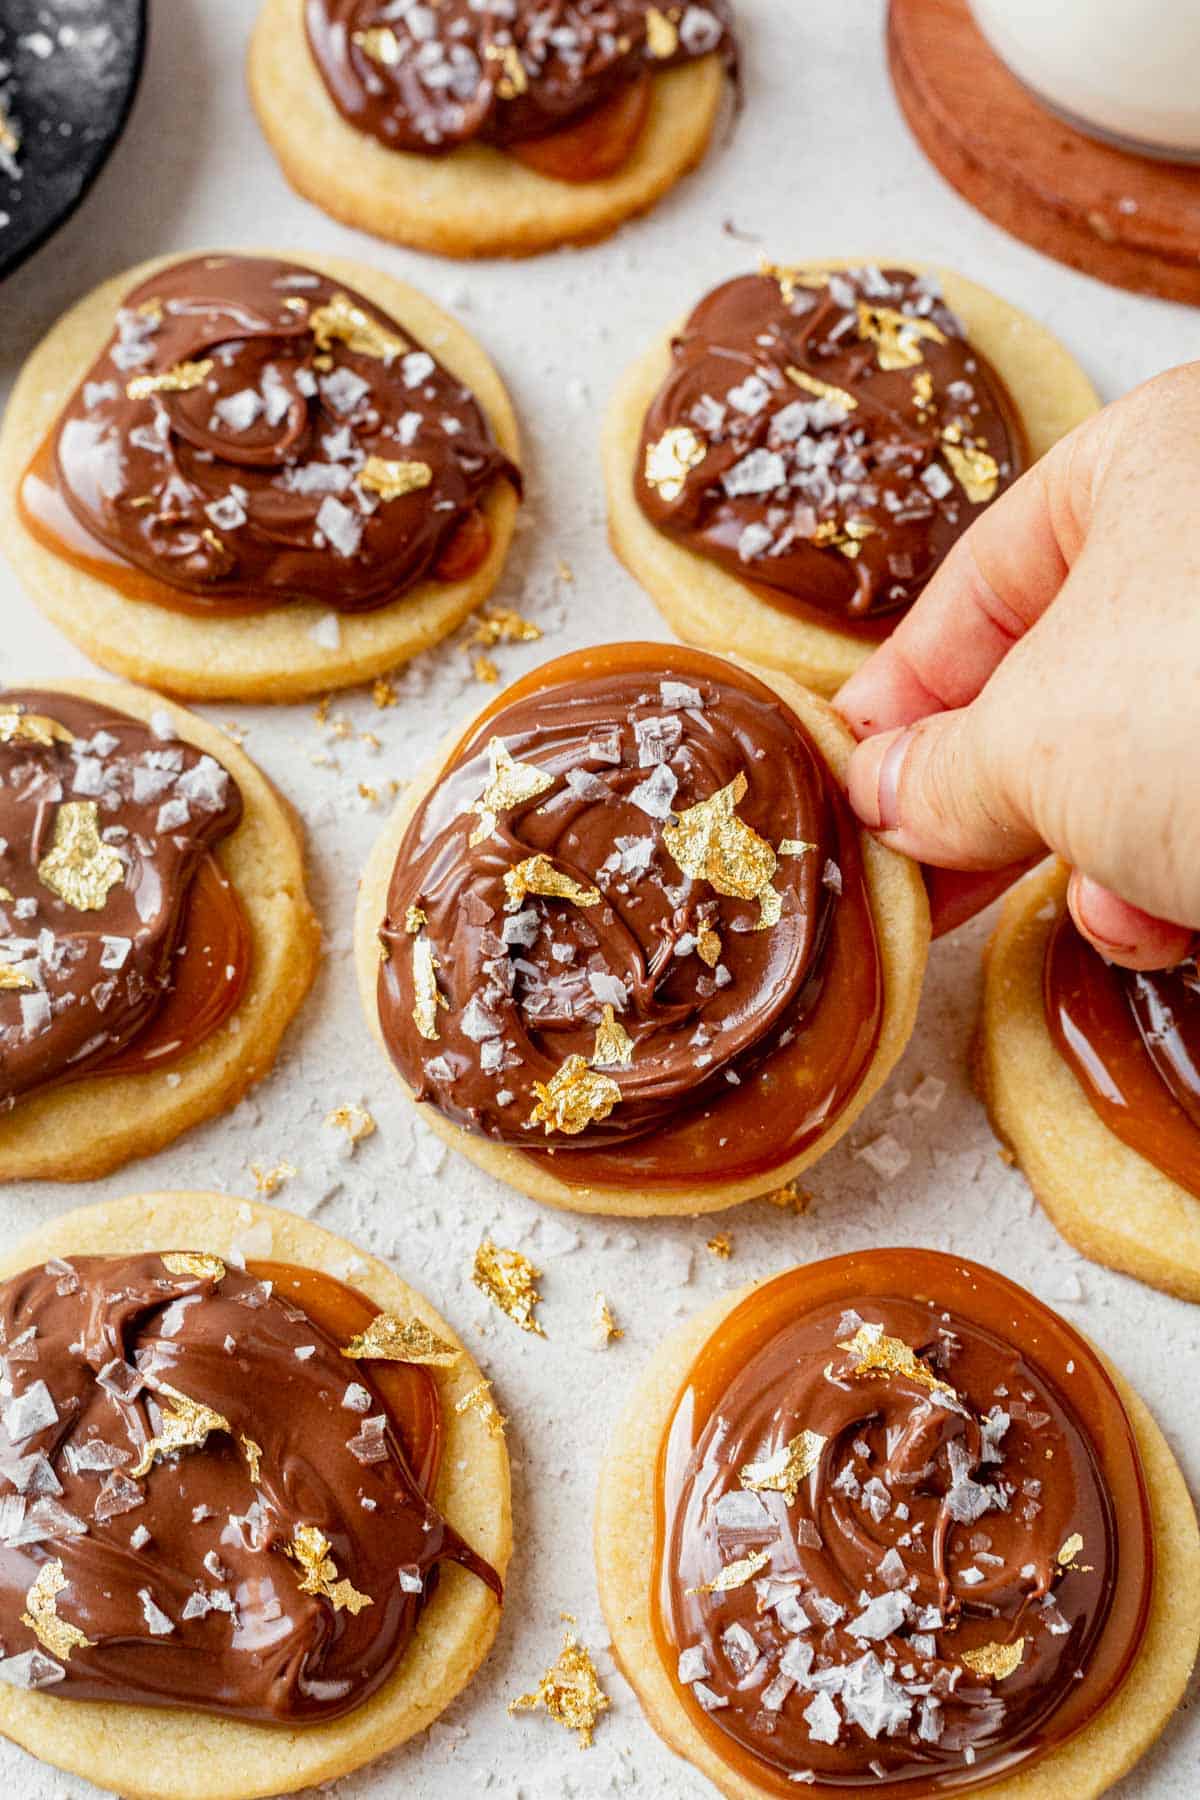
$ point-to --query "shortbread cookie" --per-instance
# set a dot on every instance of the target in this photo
(254, 477)
(887, 1523)
(155, 936)
(638, 956)
(519, 146)
(263, 1519)
(1095, 1107)
(787, 469)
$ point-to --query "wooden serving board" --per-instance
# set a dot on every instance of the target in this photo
(1125, 219)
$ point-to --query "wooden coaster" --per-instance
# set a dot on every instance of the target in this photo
(1126, 219)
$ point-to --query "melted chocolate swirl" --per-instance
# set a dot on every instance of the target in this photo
(105, 823)
(895, 1532)
(255, 433)
(429, 78)
(271, 1562)
(827, 439)
(595, 979)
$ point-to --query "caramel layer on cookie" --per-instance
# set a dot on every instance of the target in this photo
(217, 1486)
(902, 1535)
(628, 929)
(567, 84)
(827, 438)
(122, 944)
(1132, 1037)
(255, 434)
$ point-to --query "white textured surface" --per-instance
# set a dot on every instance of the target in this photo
(820, 163)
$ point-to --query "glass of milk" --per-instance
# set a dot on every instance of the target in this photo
(1126, 71)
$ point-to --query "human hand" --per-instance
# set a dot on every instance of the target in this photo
(1044, 691)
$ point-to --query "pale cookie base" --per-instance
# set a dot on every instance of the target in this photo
(1080, 1770)
(264, 656)
(475, 201)
(1109, 1201)
(89, 1127)
(707, 605)
(901, 913)
(148, 1754)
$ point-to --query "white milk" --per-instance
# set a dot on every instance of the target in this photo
(1125, 69)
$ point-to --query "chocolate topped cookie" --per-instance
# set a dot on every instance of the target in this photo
(789, 469)
(630, 934)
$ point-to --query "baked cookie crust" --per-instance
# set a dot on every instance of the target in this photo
(1105, 1198)
(475, 201)
(260, 656)
(150, 1754)
(1081, 1769)
(88, 1128)
(708, 606)
(901, 913)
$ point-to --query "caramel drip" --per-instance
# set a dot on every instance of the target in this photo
(1133, 1041)
(966, 1534)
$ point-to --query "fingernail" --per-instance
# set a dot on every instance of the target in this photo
(887, 790)
(1088, 900)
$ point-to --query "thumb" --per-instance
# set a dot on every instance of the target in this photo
(936, 791)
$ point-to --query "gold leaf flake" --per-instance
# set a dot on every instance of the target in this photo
(509, 784)
(606, 1328)
(354, 1120)
(922, 388)
(791, 1197)
(794, 847)
(501, 625)
(735, 1574)
(54, 1634)
(721, 1246)
(669, 461)
(1069, 1551)
(392, 1339)
(269, 1181)
(253, 1454)
(574, 1098)
(14, 980)
(194, 1262)
(479, 1399)
(897, 336)
(341, 321)
(708, 945)
(823, 390)
(383, 693)
(662, 36)
(31, 728)
(783, 1472)
(790, 279)
(179, 379)
(392, 480)
(510, 1281)
(380, 43)
(310, 1549)
(570, 1691)
(614, 1046)
(485, 670)
(538, 875)
(513, 79)
(414, 918)
(875, 1354)
(427, 996)
(710, 843)
(79, 866)
(975, 469)
(996, 1661)
(185, 1425)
